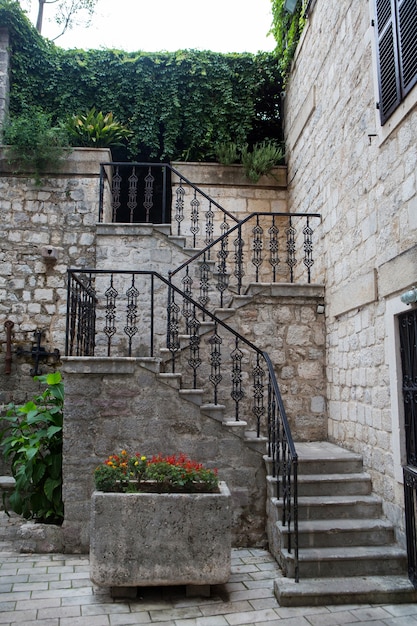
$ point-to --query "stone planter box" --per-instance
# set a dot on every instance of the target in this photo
(157, 539)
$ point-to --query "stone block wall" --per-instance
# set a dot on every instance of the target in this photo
(228, 186)
(112, 405)
(362, 178)
(59, 216)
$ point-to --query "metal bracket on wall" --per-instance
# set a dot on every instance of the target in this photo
(8, 325)
(38, 353)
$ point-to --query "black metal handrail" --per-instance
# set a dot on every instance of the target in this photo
(147, 199)
(157, 315)
(223, 271)
(410, 499)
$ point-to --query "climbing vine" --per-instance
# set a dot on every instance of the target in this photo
(287, 28)
(178, 104)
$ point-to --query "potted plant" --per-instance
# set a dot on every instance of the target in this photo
(159, 521)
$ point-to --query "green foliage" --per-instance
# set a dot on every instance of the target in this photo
(32, 441)
(177, 104)
(286, 29)
(34, 143)
(96, 129)
(227, 153)
(256, 162)
(261, 159)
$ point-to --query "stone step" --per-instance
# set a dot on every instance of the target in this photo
(173, 380)
(323, 458)
(344, 590)
(334, 484)
(192, 395)
(341, 532)
(336, 562)
(323, 485)
(336, 507)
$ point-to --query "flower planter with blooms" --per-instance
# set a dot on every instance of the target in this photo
(160, 521)
(122, 473)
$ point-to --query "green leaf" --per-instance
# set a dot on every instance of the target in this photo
(50, 486)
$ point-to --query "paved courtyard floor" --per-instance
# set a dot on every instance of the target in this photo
(55, 590)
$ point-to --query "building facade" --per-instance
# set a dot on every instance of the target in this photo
(352, 155)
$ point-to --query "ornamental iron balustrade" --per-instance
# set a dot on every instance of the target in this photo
(262, 248)
(143, 193)
(141, 314)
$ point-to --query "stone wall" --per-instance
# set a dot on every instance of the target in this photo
(44, 230)
(362, 178)
(112, 405)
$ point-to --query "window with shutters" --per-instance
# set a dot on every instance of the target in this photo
(396, 32)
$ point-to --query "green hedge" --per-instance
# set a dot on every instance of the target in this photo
(178, 104)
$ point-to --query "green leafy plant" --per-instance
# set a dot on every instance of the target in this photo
(177, 104)
(96, 129)
(286, 29)
(261, 159)
(227, 153)
(32, 442)
(34, 143)
(125, 473)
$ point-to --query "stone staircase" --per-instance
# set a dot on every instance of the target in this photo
(348, 552)
(347, 548)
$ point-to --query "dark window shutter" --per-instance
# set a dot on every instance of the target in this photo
(388, 60)
(407, 29)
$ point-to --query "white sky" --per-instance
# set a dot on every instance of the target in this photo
(155, 25)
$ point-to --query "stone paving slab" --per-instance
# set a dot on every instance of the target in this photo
(55, 590)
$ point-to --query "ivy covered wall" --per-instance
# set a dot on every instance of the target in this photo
(178, 104)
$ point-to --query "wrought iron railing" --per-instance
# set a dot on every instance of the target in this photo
(262, 248)
(410, 498)
(142, 314)
(144, 193)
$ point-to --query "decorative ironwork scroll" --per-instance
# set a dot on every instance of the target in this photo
(215, 377)
(209, 228)
(115, 192)
(173, 340)
(273, 245)
(204, 284)
(110, 328)
(257, 246)
(222, 254)
(291, 259)
(131, 328)
(194, 360)
(148, 202)
(308, 248)
(195, 228)
(237, 390)
(238, 259)
(132, 194)
(258, 408)
(179, 206)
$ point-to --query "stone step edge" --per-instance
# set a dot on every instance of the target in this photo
(329, 478)
(339, 524)
(346, 590)
(327, 501)
(344, 553)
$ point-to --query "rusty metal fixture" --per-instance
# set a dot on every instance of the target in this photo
(8, 325)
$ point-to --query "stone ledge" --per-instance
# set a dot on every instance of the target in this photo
(102, 365)
(81, 161)
(201, 174)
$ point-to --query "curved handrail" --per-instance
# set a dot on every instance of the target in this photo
(281, 448)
